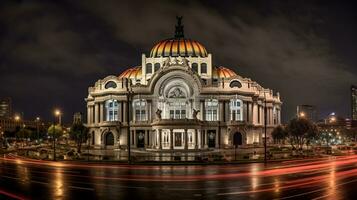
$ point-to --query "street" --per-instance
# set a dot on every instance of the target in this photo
(326, 178)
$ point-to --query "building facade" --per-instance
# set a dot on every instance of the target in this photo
(307, 111)
(354, 102)
(177, 100)
(5, 107)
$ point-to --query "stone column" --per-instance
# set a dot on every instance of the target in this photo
(146, 138)
(134, 138)
(160, 139)
(96, 113)
(88, 115)
(202, 110)
(202, 139)
(221, 111)
(196, 139)
(206, 139)
(217, 139)
(101, 112)
(153, 139)
(120, 111)
(124, 111)
(227, 111)
(149, 114)
(171, 139)
(186, 139)
(255, 113)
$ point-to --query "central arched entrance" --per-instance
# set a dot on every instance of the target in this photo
(109, 139)
(237, 139)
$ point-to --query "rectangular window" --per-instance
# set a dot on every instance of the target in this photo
(183, 114)
(203, 68)
(137, 115)
(149, 68)
(171, 114)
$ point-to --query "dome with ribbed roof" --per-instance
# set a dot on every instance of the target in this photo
(178, 45)
(223, 72)
(175, 47)
(132, 73)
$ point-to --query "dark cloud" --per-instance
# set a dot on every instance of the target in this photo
(61, 49)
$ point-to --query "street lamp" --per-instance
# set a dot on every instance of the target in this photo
(17, 118)
(128, 99)
(57, 114)
(38, 128)
(302, 114)
(265, 128)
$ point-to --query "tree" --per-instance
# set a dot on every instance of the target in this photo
(79, 133)
(23, 133)
(55, 131)
(301, 131)
(279, 134)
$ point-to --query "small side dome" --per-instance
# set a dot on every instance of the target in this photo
(132, 73)
(223, 72)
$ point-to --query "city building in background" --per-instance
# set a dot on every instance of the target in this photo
(77, 118)
(14, 123)
(307, 111)
(179, 101)
(5, 107)
(333, 129)
(354, 102)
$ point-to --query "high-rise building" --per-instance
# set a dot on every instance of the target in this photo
(5, 107)
(77, 118)
(354, 102)
(307, 111)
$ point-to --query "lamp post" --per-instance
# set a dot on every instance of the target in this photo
(57, 114)
(17, 120)
(128, 100)
(38, 128)
(265, 128)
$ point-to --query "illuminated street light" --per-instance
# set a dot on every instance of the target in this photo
(333, 119)
(302, 114)
(58, 114)
(17, 118)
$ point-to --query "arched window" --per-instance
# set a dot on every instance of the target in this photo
(149, 68)
(211, 106)
(110, 84)
(109, 139)
(194, 67)
(236, 109)
(235, 83)
(156, 67)
(111, 107)
(140, 109)
(203, 68)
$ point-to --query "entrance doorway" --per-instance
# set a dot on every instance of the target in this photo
(178, 139)
(109, 139)
(140, 142)
(211, 138)
(237, 139)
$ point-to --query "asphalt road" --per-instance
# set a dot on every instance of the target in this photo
(328, 178)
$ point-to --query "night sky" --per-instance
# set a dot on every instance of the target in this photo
(50, 53)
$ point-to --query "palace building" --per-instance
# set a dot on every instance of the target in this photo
(177, 100)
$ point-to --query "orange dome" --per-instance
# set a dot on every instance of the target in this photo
(223, 72)
(132, 73)
(175, 47)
